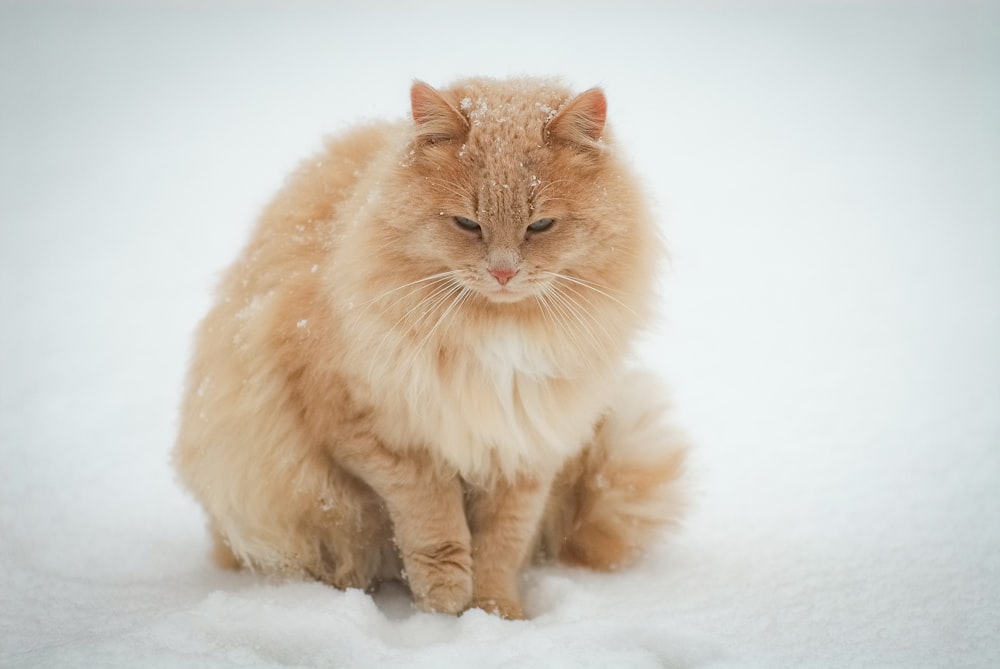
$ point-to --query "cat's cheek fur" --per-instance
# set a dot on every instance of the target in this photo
(354, 413)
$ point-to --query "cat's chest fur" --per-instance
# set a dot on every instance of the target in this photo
(506, 353)
(501, 406)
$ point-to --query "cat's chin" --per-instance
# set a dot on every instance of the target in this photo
(505, 296)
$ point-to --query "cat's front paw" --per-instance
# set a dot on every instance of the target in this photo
(505, 608)
(447, 596)
(440, 578)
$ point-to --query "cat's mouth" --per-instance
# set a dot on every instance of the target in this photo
(520, 286)
(504, 295)
(507, 288)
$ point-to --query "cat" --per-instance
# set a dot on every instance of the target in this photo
(414, 371)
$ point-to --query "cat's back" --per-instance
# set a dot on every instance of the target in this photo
(269, 294)
(296, 231)
(312, 195)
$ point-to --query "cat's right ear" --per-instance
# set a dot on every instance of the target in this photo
(436, 119)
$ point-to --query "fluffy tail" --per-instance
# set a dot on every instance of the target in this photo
(612, 501)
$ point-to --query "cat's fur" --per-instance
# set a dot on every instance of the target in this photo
(381, 393)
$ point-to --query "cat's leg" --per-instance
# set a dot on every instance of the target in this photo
(504, 520)
(425, 506)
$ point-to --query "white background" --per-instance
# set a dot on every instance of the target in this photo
(827, 175)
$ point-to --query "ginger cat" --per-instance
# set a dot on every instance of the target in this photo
(415, 368)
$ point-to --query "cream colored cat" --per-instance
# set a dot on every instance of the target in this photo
(414, 370)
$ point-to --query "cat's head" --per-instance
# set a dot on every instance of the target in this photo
(512, 192)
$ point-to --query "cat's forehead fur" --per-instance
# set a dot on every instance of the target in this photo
(521, 105)
(504, 152)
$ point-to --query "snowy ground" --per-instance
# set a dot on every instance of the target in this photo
(829, 179)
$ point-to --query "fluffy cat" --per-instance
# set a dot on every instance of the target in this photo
(415, 369)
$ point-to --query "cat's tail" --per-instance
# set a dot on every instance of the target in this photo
(615, 498)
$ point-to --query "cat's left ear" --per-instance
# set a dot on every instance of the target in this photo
(581, 121)
(437, 120)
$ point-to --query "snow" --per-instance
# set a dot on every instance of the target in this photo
(828, 180)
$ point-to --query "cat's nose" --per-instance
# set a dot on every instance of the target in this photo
(502, 274)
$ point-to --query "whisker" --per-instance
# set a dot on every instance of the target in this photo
(560, 199)
(575, 311)
(597, 288)
(439, 275)
(559, 318)
(544, 306)
(445, 284)
(450, 187)
(428, 303)
(431, 303)
(549, 184)
(456, 299)
(582, 310)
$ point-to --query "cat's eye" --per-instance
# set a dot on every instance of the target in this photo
(541, 225)
(467, 224)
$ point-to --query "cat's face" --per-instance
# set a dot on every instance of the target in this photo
(516, 198)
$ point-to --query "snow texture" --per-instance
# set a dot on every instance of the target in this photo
(828, 177)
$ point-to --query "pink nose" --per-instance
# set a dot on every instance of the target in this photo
(502, 274)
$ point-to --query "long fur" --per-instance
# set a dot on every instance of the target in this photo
(365, 402)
